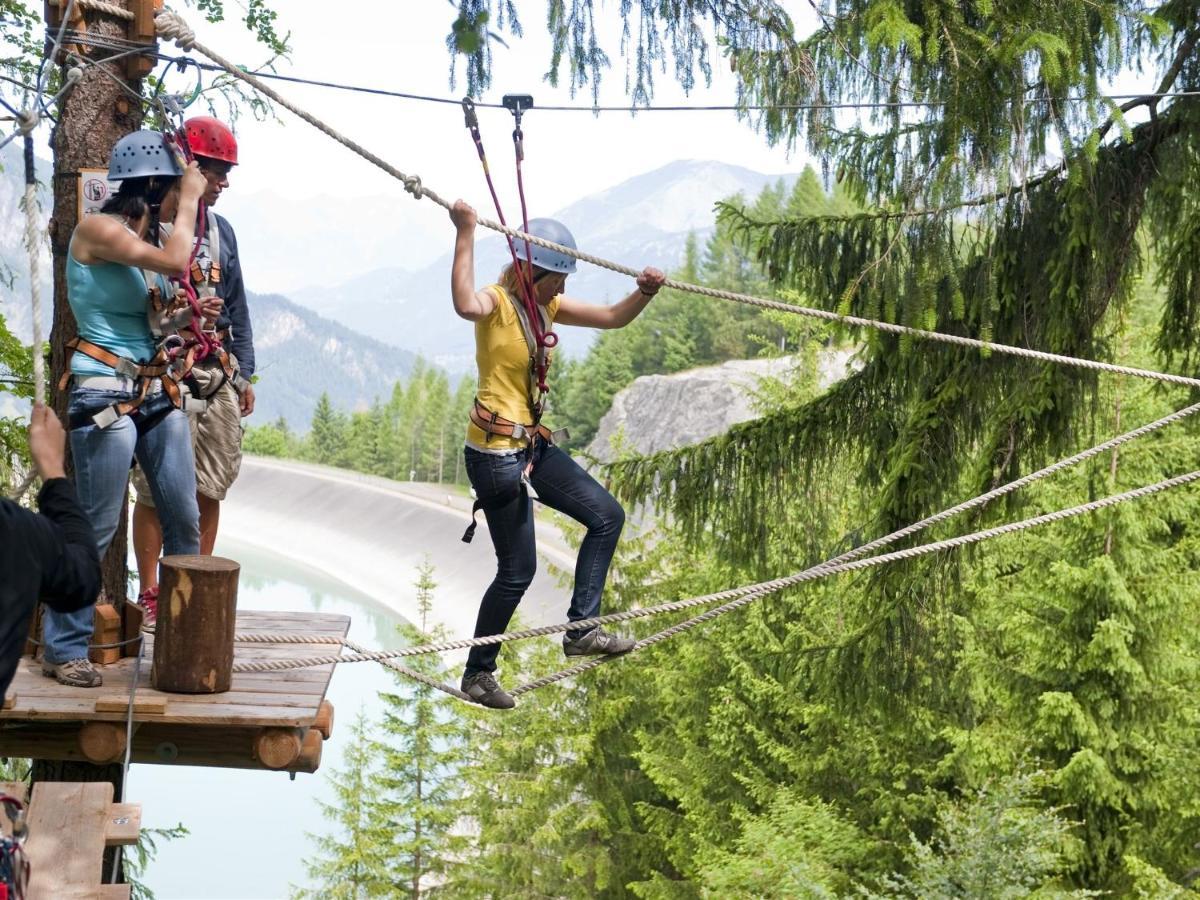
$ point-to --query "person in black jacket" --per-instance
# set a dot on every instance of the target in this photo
(51, 556)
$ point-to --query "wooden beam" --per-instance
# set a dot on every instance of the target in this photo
(132, 617)
(309, 759)
(277, 748)
(106, 629)
(324, 721)
(102, 742)
(124, 825)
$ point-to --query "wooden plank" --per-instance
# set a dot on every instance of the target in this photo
(124, 825)
(144, 704)
(66, 837)
(10, 700)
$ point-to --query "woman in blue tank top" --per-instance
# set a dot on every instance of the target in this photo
(107, 293)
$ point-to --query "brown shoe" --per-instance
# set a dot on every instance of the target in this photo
(74, 673)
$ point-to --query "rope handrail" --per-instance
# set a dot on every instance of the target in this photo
(173, 27)
(748, 594)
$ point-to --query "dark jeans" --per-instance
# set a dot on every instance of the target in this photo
(563, 485)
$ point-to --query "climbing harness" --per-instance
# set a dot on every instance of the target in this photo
(175, 317)
(491, 423)
(14, 864)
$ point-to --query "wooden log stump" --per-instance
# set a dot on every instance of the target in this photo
(193, 634)
(277, 748)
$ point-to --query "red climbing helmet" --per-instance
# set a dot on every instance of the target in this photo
(211, 138)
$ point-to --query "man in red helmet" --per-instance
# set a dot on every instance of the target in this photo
(223, 383)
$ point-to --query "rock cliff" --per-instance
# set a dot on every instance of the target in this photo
(664, 412)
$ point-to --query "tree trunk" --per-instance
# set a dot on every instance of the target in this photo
(93, 116)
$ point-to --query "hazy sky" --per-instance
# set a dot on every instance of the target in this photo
(401, 46)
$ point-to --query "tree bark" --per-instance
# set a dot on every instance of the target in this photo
(193, 635)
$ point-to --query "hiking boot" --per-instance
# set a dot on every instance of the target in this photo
(148, 601)
(483, 688)
(73, 673)
(597, 642)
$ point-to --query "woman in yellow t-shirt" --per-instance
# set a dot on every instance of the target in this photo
(502, 459)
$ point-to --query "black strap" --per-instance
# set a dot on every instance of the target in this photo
(496, 502)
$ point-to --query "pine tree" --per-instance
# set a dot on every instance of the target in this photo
(423, 753)
(352, 862)
(327, 437)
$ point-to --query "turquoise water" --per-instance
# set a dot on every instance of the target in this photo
(248, 827)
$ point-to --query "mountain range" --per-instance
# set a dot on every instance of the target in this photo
(353, 330)
(643, 221)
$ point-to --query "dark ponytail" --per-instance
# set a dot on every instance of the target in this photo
(137, 196)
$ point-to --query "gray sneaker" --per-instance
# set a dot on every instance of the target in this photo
(597, 642)
(483, 688)
(73, 673)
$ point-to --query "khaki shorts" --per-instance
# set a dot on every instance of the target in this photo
(216, 439)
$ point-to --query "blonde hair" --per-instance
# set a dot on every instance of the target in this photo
(509, 279)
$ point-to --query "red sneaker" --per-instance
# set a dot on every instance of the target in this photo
(148, 600)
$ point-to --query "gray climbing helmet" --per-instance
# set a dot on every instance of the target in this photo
(141, 155)
(551, 260)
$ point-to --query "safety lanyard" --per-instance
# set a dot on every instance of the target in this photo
(543, 339)
(176, 137)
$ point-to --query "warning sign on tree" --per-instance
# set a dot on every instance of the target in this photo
(94, 189)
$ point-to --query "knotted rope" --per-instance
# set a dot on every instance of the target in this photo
(173, 27)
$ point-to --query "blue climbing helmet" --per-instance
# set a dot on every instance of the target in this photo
(141, 155)
(550, 260)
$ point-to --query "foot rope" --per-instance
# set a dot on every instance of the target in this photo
(735, 598)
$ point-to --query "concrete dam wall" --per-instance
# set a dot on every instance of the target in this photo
(373, 534)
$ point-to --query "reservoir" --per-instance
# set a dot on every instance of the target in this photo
(315, 539)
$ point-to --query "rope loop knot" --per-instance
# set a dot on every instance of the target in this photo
(172, 26)
(412, 184)
(28, 120)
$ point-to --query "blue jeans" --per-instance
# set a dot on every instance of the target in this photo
(102, 458)
(563, 485)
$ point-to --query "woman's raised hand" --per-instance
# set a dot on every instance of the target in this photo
(194, 183)
(463, 216)
(650, 281)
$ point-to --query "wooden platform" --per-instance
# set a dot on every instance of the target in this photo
(252, 725)
(70, 825)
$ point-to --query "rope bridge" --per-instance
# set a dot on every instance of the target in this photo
(172, 26)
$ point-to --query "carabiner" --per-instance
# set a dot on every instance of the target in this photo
(472, 120)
